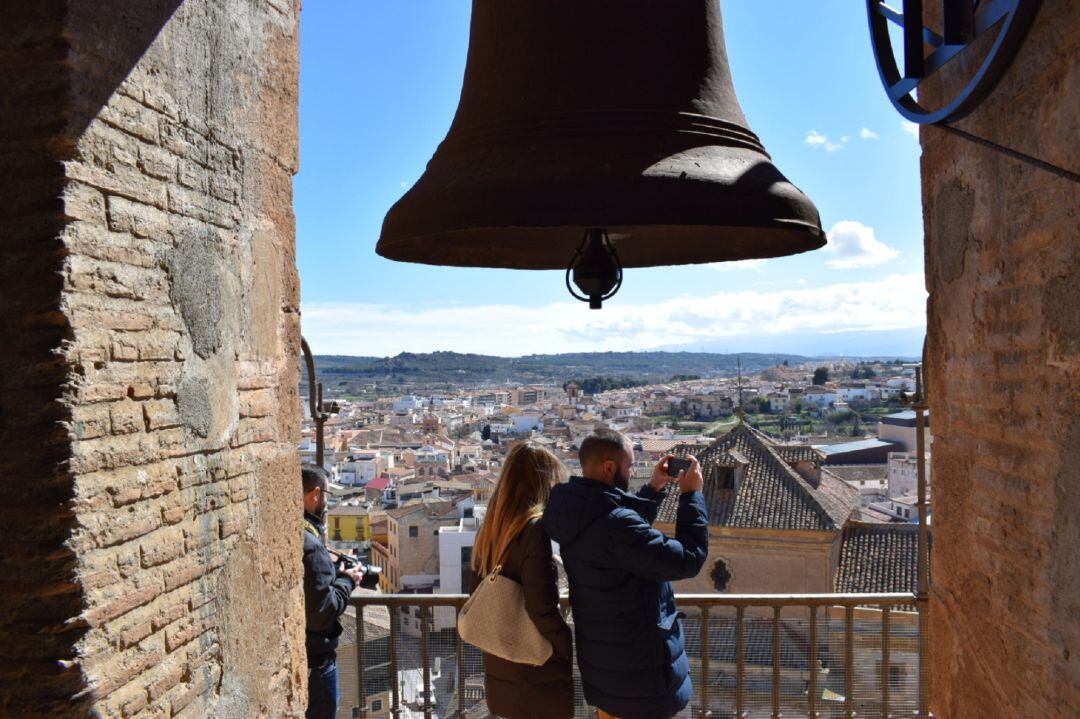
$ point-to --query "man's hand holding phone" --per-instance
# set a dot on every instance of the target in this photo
(690, 480)
(660, 476)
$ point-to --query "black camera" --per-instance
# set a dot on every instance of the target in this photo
(369, 578)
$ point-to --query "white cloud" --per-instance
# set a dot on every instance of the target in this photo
(403, 184)
(867, 134)
(910, 128)
(816, 139)
(856, 245)
(895, 302)
(754, 265)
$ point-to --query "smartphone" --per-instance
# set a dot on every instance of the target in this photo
(676, 465)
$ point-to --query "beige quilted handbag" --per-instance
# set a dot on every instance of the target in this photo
(494, 620)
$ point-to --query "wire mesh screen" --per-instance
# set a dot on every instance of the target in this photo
(745, 662)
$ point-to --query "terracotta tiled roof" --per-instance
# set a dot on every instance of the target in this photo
(798, 453)
(878, 557)
(859, 472)
(434, 507)
(658, 445)
(771, 495)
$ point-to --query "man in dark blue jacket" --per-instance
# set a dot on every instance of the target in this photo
(630, 645)
(326, 596)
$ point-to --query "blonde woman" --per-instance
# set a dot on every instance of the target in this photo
(511, 535)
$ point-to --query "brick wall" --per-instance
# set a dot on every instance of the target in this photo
(148, 408)
(1003, 270)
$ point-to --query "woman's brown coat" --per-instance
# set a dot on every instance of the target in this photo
(520, 691)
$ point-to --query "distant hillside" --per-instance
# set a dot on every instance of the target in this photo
(343, 374)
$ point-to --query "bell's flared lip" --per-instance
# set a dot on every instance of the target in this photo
(552, 247)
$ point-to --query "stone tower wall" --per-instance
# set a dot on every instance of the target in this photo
(148, 404)
(1003, 270)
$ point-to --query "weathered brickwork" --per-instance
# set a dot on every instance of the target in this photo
(1003, 270)
(148, 403)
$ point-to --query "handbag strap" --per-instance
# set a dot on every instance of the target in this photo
(497, 569)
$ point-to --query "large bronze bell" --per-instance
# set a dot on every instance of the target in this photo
(613, 114)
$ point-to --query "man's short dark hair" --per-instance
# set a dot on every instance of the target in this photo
(602, 445)
(313, 476)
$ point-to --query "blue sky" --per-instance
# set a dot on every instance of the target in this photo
(378, 88)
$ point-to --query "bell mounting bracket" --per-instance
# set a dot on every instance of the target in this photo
(964, 23)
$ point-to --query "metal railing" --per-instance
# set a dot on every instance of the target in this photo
(799, 655)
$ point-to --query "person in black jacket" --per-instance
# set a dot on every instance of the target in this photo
(326, 596)
(630, 646)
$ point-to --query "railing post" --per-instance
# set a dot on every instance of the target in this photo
(885, 659)
(361, 694)
(705, 713)
(425, 654)
(776, 664)
(811, 699)
(740, 666)
(395, 688)
(849, 661)
(460, 667)
(922, 596)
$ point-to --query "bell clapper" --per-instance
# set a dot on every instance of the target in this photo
(595, 268)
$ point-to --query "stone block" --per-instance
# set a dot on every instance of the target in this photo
(82, 202)
(90, 421)
(132, 117)
(120, 605)
(157, 162)
(138, 219)
(124, 181)
(165, 678)
(160, 414)
(162, 546)
(126, 417)
(188, 629)
(125, 527)
(259, 403)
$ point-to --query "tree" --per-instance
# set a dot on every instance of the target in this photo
(821, 375)
(785, 363)
(485, 433)
(759, 405)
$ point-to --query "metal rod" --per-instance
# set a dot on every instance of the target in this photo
(395, 698)
(922, 595)
(691, 600)
(959, 21)
(320, 430)
(811, 699)
(776, 663)
(362, 695)
(913, 39)
(460, 668)
(849, 662)
(705, 713)
(425, 654)
(740, 667)
(314, 402)
(885, 663)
